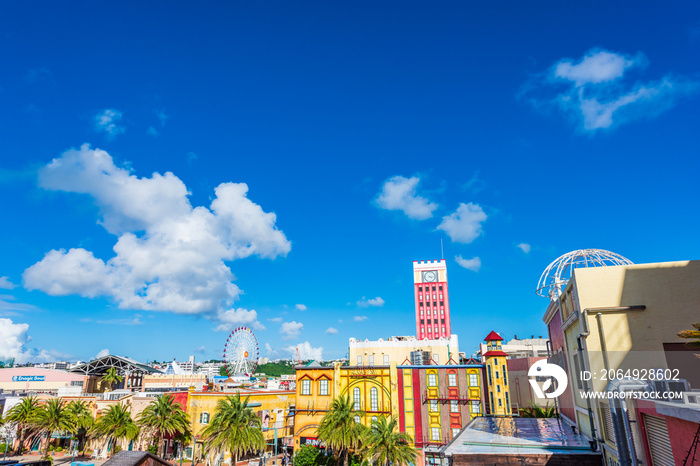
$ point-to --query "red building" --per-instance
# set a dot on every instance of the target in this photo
(432, 299)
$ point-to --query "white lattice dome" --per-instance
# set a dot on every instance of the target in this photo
(558, 273)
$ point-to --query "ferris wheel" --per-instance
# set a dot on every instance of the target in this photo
(241, 352)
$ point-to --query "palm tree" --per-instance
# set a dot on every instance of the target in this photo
(111, 377)
(54, 416)
(165, 416)
(234, 427)
(338, 428)
(385, 445)
(24, 415)
(115, 424)
(538, 411)
(82, 417)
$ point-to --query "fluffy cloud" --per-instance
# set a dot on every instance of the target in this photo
(108, 121)
(300, 307)
(331, 331)
(135, 321)
(233, 318)
(306, 351)
(464, 225)
(524, 247)
(169, 256)
(276, 320)
(6, 284)
(359, 318)
(473, 264)
(291, 329)
(377, 302)
(399, 193)
(103, 353)
(13, 338)
(595, 90)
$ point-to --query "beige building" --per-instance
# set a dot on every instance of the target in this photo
(397, 350)
(625, 319)
(154, 382)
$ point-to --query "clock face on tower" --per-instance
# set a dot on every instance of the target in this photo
(430, 276)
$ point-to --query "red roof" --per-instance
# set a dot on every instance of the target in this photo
(493, 336)
(495, 353)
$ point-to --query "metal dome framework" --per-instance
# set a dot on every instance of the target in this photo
(241, 352)
(558, 273)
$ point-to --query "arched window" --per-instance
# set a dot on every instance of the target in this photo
(357, 419)
(374, 402)
(356, 398)
(204, 418)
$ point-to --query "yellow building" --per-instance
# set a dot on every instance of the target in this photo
(373, 390)
(273, 403)
(398, 350)
(497, 376)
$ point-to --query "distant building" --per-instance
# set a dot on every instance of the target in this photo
(497, 376)
(525, 348)
(398, 350)
(432, 302)
(38, 380)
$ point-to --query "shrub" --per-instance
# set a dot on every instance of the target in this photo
(116, 450)
(306, 456)
(153, 449)
(59, 449)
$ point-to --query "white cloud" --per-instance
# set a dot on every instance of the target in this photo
(13, 338)
(399, 193)
(270, 350)
(169, 256)
(331, 331)
(359, 318)
(276, 320)
(103, 353)
(108, 121)
(201, 350)
(306, 351)
(596, 91)
(300, 307)
(135, 321)
(291, 329)
(524, 247)
(6, 284)
(473, 264)
(162, 116)
(464, 225)
(151, 131)
(233, 318)
(377, 302)
(8, 303)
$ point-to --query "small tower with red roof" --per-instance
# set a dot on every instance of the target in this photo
(497, 375)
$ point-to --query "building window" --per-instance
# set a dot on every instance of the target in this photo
(359, 360)
(76, 383)
(204, 418)
(357, 419)
(488, 368)
(455, 432)
(507, 404)
(323, 387)
(430, 330)
(442, 303)
(435, 433)
(374, 419)
(433, 406)
(386, 359)
(495, 361)
(306, 387)
(420, 288)
(432, 380)
(356, 398)
(454, 406)
(496, 374)
(374, 402)
(371, 360)
(473, 380)
(492, 403)
(500, 402)
(452, 380)
(442, 321)
(498, 388)
(505, 377)
(440, 287)
(433, 287)
(475, 407)
(443, 328)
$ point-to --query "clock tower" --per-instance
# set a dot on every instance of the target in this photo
(432, 299)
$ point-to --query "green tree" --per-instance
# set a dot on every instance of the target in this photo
(115, 424)
(692, 335)
(164, 416)
(538, 411)
(111, 377)
(385, 445)
(338, 428)
(54, 416)
(24, 414)
(234, 427)
(82, 416)
(306, 456)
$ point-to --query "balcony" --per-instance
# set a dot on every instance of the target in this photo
(444, 396)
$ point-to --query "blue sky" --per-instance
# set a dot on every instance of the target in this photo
(170, 171)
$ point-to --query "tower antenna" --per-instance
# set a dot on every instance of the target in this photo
(442, 251)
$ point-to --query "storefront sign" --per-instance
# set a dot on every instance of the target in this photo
(312, 442)
(28, 378)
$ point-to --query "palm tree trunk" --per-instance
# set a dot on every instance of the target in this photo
(345, 459)
(21, 439)
(160, 445)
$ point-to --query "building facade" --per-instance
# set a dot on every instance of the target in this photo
(398, 350)
(494, 360)
(431, 296)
